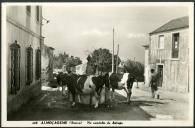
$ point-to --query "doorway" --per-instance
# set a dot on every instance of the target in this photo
(160, 71)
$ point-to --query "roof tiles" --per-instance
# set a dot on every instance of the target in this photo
(182, 22)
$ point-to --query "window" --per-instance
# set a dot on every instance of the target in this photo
(15, 67)
(28, 9)
(175, 45)
(161, 42)
(37, 13)
(29, 65)
(38, 64)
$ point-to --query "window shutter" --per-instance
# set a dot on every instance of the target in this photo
(18, 69)
(12, 72)
(29, 65)
(38, 64)
(15, 67)
(37, 13)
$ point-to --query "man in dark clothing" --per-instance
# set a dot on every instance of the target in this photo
(153, 83)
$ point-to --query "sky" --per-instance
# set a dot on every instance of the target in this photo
(78, 29)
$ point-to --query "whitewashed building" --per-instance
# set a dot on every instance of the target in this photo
(146, 66)
(24, 40)
(169, 54)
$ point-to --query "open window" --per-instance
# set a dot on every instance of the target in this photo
(161, 42)
(175, 45)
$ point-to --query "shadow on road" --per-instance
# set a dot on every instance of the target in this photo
(55, 106)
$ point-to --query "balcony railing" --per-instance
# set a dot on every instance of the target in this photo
(159, 54)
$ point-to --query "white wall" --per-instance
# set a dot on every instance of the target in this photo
(17, 29)
(175, 77)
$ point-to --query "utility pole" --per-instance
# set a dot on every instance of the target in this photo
(113, 53)
(117, 59)
(41, 42)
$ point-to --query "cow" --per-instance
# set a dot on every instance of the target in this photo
(121, 81)
(91, 84)
(60, 80)
(84, 84)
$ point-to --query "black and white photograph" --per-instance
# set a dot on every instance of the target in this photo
(100, 64)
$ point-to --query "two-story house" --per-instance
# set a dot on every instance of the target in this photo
(169, 54)
(23, 30)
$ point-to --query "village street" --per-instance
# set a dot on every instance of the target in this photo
(53, 105)
(91, 62)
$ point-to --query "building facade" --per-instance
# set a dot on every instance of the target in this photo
(169, 54)
(47, 62)
(146, 65)
(24, 53)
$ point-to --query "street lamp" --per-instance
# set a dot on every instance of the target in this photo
(47, 21)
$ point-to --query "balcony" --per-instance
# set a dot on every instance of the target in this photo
(159, 55)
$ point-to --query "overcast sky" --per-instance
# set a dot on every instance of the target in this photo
(78, 30)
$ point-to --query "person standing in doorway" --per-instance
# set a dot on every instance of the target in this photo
(154, 83)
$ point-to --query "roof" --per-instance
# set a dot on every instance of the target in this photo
(51, 48)
(182, 22)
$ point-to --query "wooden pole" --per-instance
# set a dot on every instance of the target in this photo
(113, 53)
(117, 59)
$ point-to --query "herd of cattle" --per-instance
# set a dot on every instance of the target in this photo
(93, 84)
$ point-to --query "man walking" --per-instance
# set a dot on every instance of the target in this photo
(153, 83)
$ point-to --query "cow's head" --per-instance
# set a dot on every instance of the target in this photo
(62, 78)
(100, 81)
(106, 80)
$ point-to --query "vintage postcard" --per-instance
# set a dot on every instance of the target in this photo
(97, 64)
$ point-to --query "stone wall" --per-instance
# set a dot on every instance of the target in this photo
(23, 96)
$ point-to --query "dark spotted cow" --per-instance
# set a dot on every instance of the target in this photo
(61, 81)
(121, 81)
(84, 84)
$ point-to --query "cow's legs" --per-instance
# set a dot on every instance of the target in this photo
(73, 93)
(128, 92)
(79, 98)
(63, 90)
(73, 100)
(97, 99)
(112, 94)
(60, 84)
(95, 94)
(129, 95)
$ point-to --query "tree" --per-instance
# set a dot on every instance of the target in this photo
(69, 61)
(135, 68)
(73, 61)
(102, 59)
(58, 61)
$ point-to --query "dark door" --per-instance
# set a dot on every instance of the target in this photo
(160, 71)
